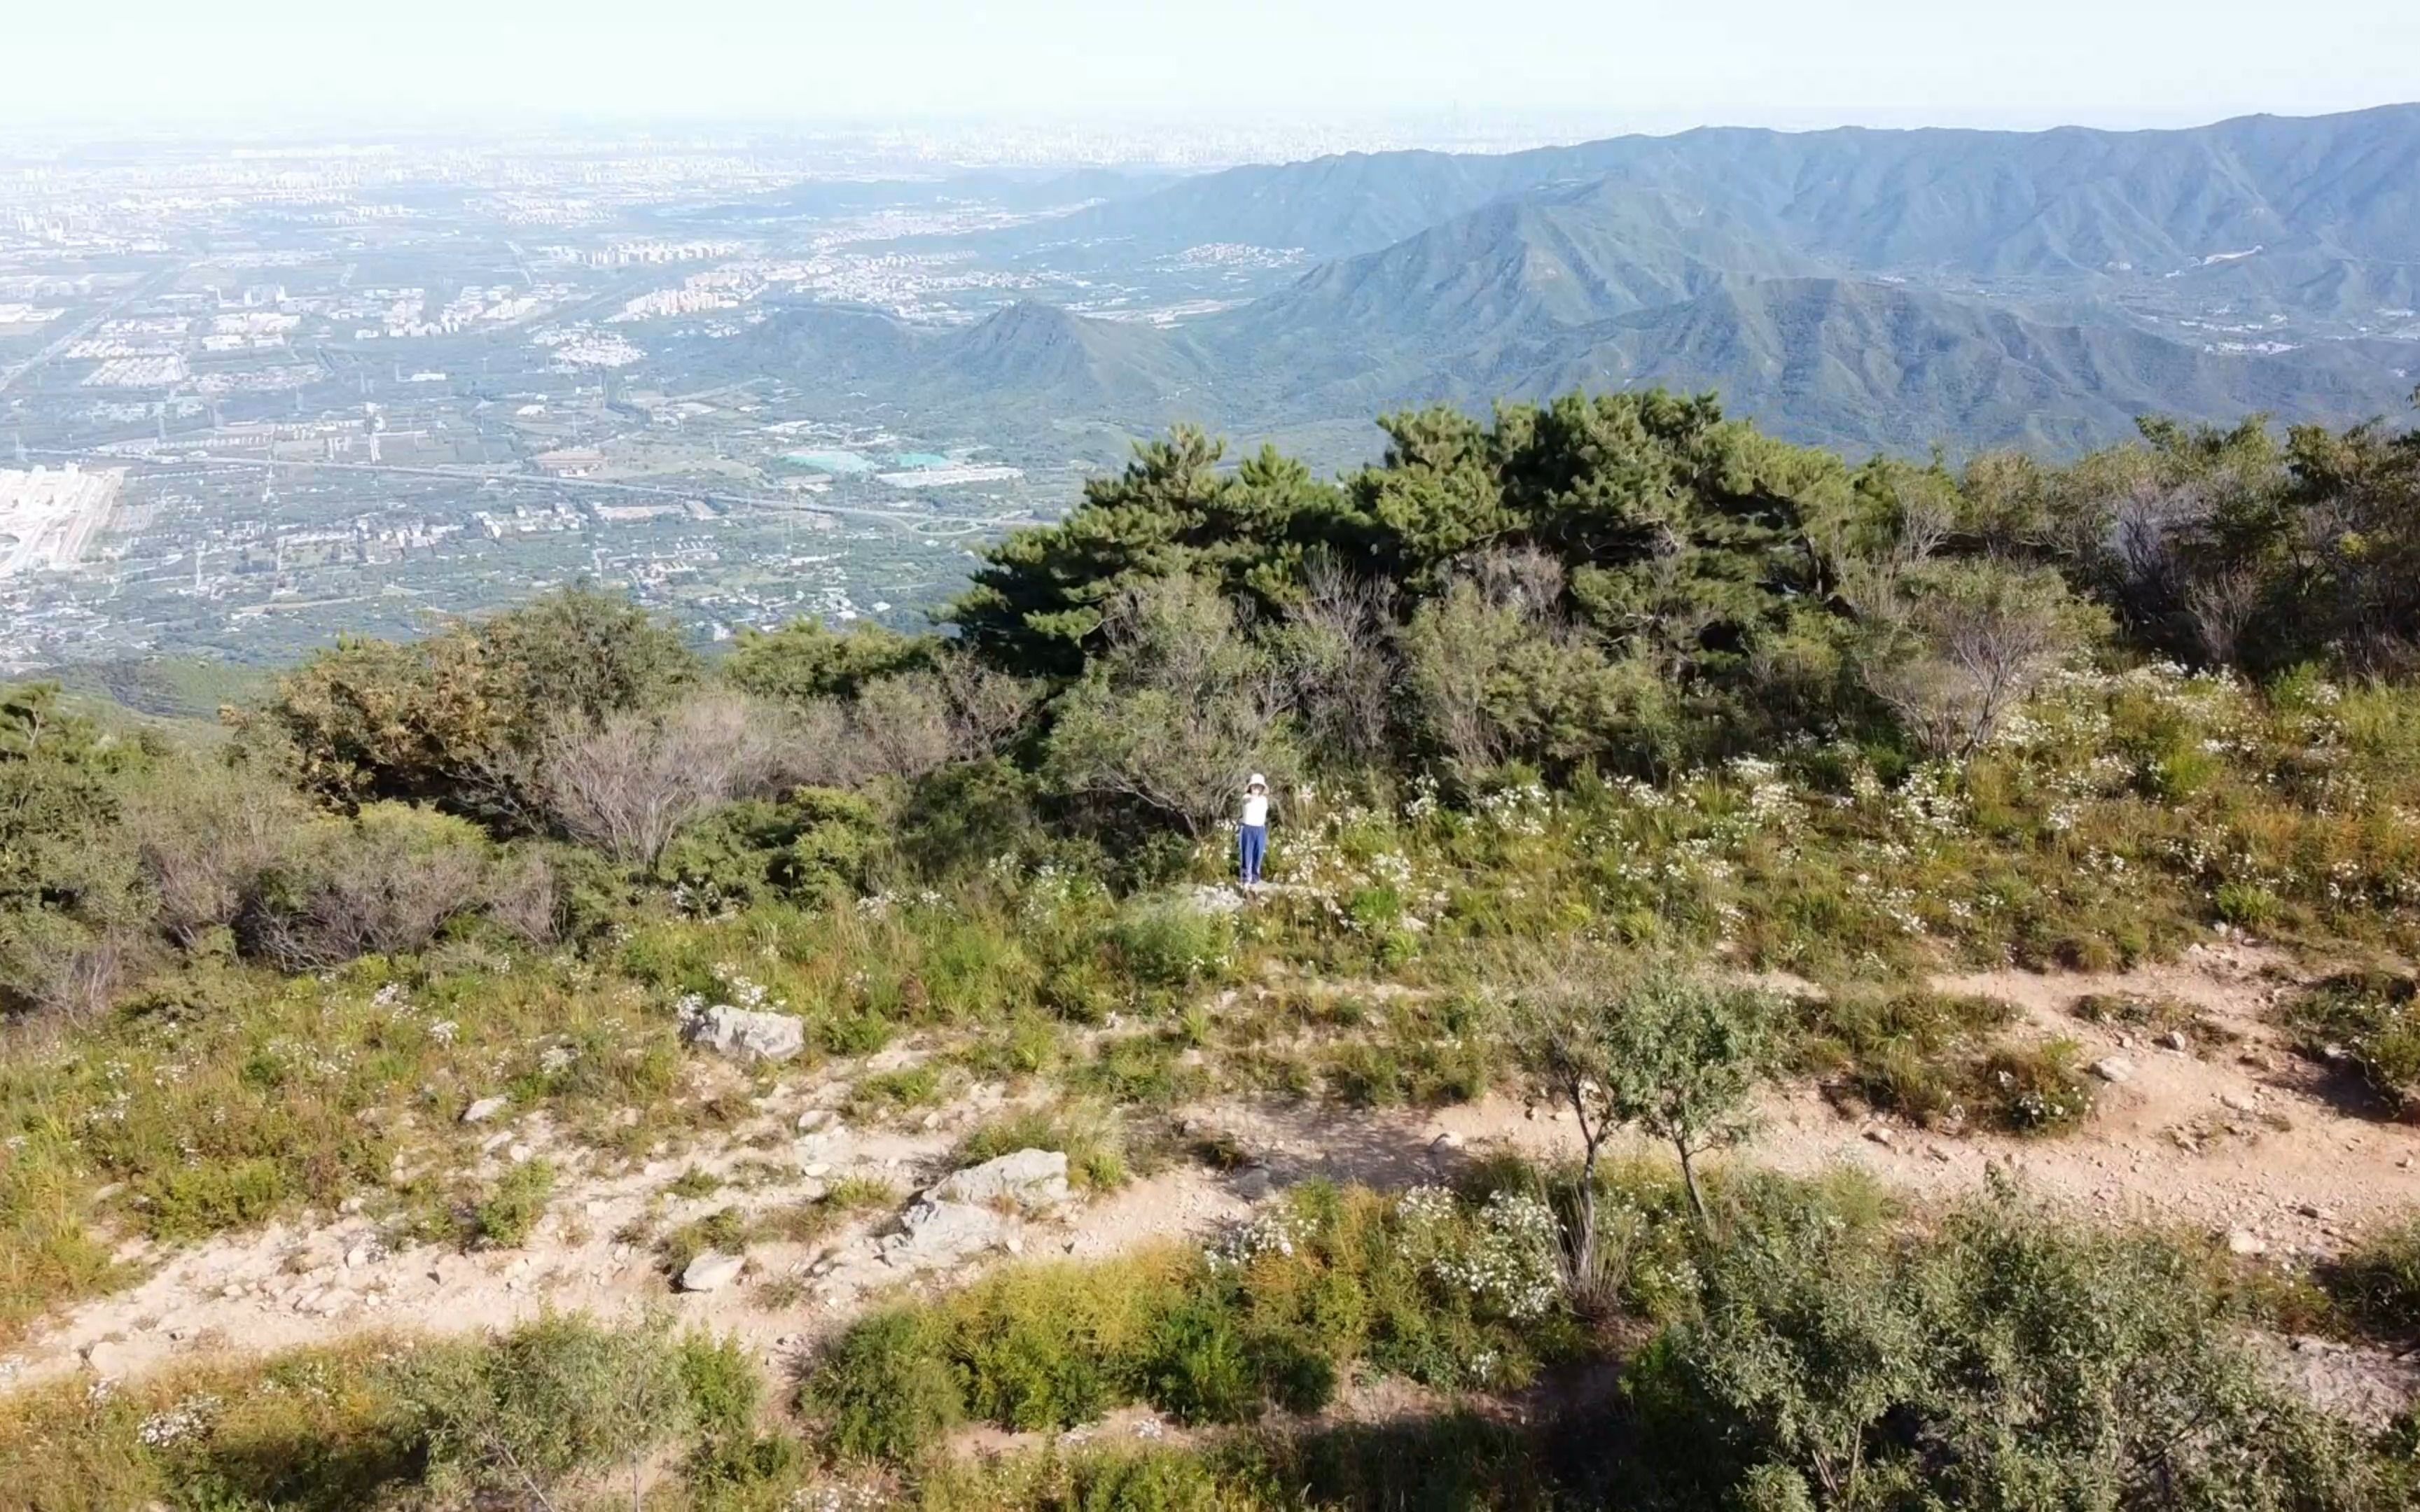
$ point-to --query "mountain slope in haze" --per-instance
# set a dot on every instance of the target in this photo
(1025, 358)
(1898, 289)
(1512, 277)
(1853, 364)
(2067, 202)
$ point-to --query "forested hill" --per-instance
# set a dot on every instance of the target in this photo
(1898, 290)
(1982, 202)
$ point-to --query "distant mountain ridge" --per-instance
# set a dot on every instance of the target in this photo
(1986, 201)
(1862, 288)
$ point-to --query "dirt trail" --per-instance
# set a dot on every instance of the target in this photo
(2245, 1139)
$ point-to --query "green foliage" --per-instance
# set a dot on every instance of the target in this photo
(1039, 603)
(552, 1399)
(1673, 1052)
(1449, 1294)
(2371, 1017)
(1173, 712)
(804, 661)
(2378, 1281)
(884, 1389)
(68, 884)
(1169, 939)
(439, 718)
(1908, 1051)
(512, 1209)
(804, 847)
(2007, 1362)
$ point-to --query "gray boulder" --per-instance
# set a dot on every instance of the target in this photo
(744, 1034)
(1028, 1178)
(936, 1232)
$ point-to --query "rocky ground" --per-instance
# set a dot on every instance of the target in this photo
(2226, 1130)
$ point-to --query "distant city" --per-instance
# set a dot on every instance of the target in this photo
(255, 395)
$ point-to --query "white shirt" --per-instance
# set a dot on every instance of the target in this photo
(1256, 809)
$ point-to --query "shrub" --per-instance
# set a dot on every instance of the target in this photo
(2372, 1017)
(884, 1389)
(1178, 705)
(1170, 940)
(2378, 1281)
(630, 783)
(2035, 1089)
(385, 883)
(2005, 1361)
(552, 1398)
(511, 1211)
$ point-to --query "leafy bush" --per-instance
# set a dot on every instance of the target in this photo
(2378, 1280)
(512, 1210)
(884, 1389)
(1453, 1295)
(2374, 1018)
(2033, 1089)
(552, 1398)
(1170, 940)
(2008, 1362)
(386, 882)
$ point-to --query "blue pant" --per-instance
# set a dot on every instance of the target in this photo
(1253, 839)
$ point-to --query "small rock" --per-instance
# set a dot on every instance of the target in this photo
(2114, 1068)
(2244, 1242)
(814, 1169)
(485, 1108)
(357, 1257)
(2175, 1039)
(710, 1271)
(519, 1154)
(2237, 1102)
(1938, 1154)
(1253, 1182)
(932, 1121)
(1445, 1143)
(815, 1119)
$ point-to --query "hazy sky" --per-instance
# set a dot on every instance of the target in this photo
(1616, 63)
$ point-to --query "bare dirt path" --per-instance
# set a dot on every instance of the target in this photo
(2241, 1137)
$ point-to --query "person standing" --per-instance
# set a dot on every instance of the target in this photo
(1253, 839)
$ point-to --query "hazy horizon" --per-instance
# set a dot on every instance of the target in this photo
(1355, 69)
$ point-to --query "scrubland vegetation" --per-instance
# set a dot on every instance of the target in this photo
(1576, 719)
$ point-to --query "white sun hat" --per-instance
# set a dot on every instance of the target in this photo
(1257, 781)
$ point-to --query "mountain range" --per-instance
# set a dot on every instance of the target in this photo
(1864, 289)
